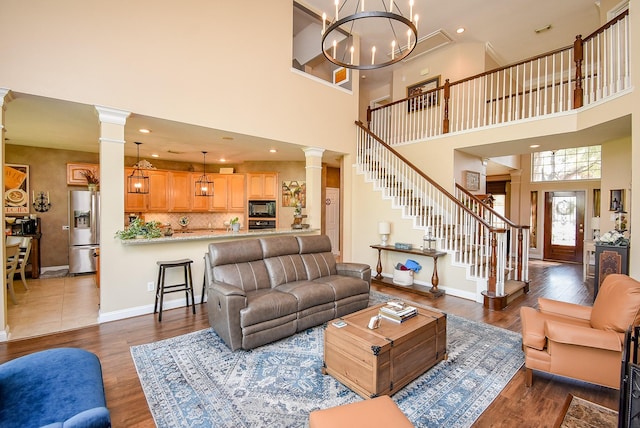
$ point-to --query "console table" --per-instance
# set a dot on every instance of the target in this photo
(416, 288)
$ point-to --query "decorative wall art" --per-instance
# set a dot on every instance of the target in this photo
(616, 201)
(75, 172)
(294, 193)
(16, 189)
(340, 76)
(471, 180)
(423, 99)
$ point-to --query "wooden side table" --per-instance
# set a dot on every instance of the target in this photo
(432, 291)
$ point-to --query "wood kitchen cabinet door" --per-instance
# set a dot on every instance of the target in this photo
(236, 192)
(133, 202)
(220, 193)
(199, 203)
(262, 185)
(180, 191)
(158, 197)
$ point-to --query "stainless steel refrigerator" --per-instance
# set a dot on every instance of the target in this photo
(84, 230)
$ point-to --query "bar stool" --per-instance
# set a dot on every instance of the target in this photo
(162, 289)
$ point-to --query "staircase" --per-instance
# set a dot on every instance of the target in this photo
(477, 238)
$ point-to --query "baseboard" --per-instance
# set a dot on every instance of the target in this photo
(48, 268)
(141, 310)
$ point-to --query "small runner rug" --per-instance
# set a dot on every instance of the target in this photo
(194, 380)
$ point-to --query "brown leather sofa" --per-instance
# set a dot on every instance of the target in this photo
(261, 290)
(582, 342)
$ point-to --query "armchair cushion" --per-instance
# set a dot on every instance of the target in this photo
(617, 304)
(561, 332)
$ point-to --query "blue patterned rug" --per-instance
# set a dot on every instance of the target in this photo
(195, 381)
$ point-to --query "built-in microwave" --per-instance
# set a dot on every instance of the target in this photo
(262, 209)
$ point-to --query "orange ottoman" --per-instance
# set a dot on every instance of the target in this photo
(377, 412)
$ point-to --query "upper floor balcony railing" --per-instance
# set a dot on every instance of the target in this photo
(584, 73)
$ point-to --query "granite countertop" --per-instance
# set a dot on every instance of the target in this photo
(214, 234)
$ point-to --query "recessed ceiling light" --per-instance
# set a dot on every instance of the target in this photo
(144, 131)
(272, 150)
(223, 160)
(534, 146)
(460, 30)
(155, 155)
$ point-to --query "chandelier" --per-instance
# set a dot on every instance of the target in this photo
(386, 35)
(204, 186)
(138, 182)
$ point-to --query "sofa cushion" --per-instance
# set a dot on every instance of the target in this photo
(267, 304)
(319, 264)
(345, 286)
(249, 276)
(278, 246)
(283, 269)
(617, 304)
(308, 293)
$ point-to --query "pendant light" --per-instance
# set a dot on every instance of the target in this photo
(204, 186)
(138, 182)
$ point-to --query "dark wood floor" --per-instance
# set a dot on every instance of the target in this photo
(517, 405)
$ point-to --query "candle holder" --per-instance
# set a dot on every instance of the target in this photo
(41, 202)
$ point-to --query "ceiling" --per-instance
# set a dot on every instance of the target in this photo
(507, 27)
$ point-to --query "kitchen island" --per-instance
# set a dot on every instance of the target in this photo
(217, 234)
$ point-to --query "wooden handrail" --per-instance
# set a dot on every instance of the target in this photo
(607, 25)
(494, 212)
(426, 177)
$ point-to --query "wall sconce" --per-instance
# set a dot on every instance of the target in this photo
(384, 229)
(41, 203)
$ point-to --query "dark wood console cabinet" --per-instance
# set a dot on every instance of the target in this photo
(609, 259)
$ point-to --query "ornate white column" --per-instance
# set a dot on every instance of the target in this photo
(112, 141)
(5, 98)
(314, 186)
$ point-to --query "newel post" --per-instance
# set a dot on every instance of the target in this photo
(577, 57)
(369, 117)
(493, 263)
(520, 254)
(447, 94)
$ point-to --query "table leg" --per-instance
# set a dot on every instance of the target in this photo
(435, 280)
(379, 267)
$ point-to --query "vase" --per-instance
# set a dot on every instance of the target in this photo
(92, 187)
(235, 227)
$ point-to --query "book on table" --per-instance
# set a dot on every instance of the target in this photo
(397, 319)
(398, 309)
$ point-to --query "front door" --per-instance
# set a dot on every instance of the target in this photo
(564, 226)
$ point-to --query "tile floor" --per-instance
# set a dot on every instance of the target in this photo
(52, 304)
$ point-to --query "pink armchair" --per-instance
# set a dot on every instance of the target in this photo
(582, 342)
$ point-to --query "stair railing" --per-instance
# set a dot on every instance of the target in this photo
(571, 77)
(517, 260)
(458, 229)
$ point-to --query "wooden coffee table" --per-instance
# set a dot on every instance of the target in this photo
(384, 360)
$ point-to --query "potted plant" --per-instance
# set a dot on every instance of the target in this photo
(92, 178)
(235, 224)
(141, 230)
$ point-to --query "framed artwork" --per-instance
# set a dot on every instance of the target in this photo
(423, 98)
(294, 192)
(616, 200)
(471, 180)
(74, 172)
(16, 189)
(340, 76)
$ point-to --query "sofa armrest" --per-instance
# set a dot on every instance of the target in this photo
(582, 336)
(557, 307)
(358, 270)
(98, 417)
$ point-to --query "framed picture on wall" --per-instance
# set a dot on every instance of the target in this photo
(471, 180)
(422, 97)
(16, 189)
(616, 200)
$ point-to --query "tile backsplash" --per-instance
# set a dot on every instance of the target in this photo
(196, 220)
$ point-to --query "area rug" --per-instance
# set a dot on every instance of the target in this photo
(586, 414)
(195, 381)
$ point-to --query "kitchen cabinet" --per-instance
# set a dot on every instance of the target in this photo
(262, 185)
(228, 194)
(156, 200)
(219, 201)
(180, 191)
(236, 192)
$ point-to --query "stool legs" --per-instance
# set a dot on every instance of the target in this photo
(162, 288)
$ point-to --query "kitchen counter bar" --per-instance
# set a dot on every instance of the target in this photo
(215, 234)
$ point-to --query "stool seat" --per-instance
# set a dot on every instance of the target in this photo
(162, 288)
(381, 411)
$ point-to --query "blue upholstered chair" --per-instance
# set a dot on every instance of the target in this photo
(59, 387)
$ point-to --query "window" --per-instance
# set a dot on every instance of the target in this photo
(579, 163)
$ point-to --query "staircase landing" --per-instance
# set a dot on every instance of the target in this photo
(512, 290)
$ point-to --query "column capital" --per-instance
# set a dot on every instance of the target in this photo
(5, 96)
(315, 152)
(112, 115)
